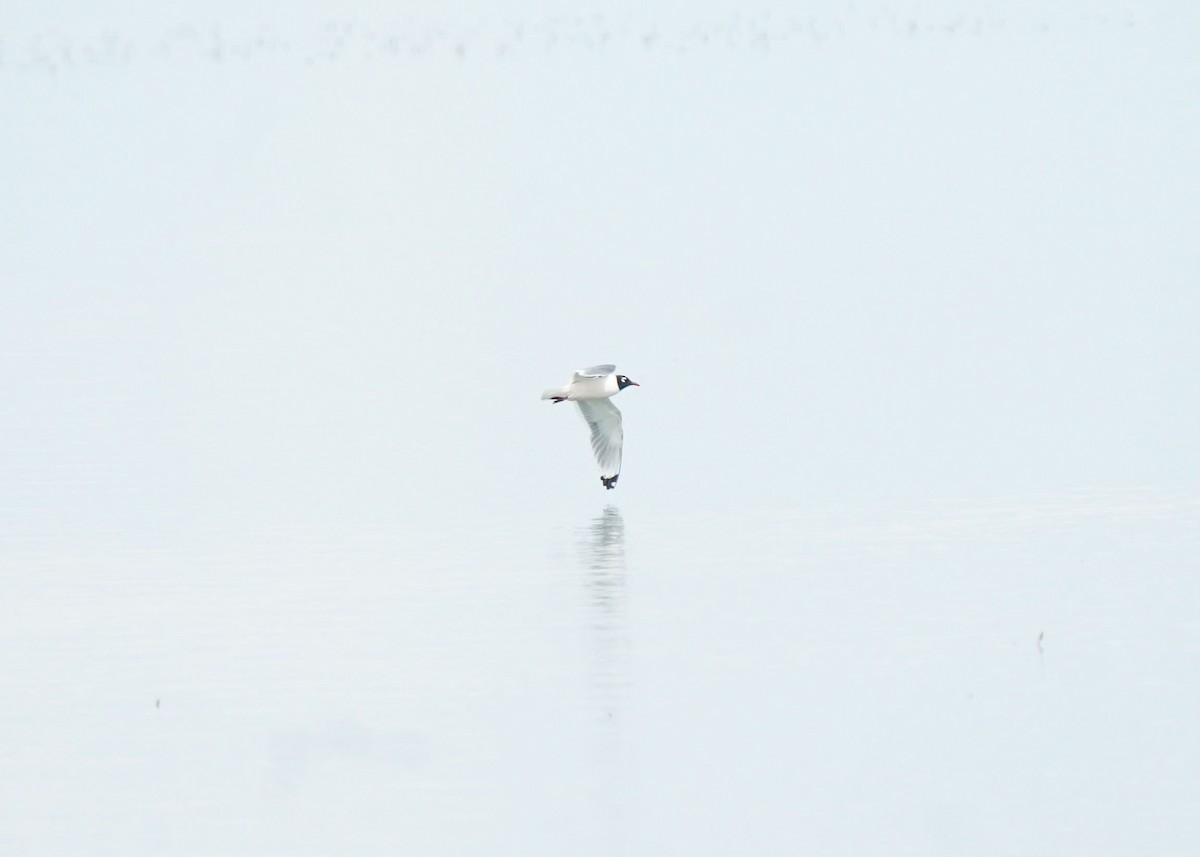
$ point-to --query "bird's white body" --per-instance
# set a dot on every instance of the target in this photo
(583, 387)
(591, 390)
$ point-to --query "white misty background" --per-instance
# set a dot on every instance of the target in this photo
(314, 264)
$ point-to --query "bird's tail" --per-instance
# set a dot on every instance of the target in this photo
(556, 393)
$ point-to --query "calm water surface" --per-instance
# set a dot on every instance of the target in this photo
(989, 677)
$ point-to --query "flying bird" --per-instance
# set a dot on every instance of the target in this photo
(592, 389)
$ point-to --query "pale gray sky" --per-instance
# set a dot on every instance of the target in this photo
(856, 254)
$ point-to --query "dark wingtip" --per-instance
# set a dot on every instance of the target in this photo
(609, 483)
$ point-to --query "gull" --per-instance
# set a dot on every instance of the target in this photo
(591, 389)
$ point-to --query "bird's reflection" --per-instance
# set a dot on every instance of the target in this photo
(605, 544)
(602, 550)
(603, 569)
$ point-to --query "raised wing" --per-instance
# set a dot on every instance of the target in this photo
(594, 371)
(604, 421)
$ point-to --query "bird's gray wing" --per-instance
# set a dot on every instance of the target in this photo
(604, 421)
(594, 371)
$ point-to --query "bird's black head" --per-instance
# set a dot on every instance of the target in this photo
(623, 382)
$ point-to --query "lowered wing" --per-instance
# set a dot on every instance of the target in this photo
(604, 422)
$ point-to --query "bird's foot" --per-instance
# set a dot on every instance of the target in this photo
(609, 483)
(558, 399)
